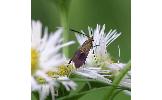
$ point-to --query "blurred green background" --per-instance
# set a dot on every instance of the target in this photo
(115, 14)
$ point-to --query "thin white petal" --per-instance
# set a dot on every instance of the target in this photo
(91, 74)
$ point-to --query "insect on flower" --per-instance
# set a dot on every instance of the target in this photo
(81, 54)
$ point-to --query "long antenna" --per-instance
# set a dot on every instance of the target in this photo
(78, 32)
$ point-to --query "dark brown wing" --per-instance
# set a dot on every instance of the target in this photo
(79, 58)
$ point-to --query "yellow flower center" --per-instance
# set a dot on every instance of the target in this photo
(40, 80)
(63, 70)
(52, 74)
(34, 60)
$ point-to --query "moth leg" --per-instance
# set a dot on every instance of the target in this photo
(69, 62)
(96, 45)
(95, 58)
(94, 53)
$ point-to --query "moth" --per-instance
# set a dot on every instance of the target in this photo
(81, 54)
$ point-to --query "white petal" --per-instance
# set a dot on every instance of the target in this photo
(34, 85)
(68, 83)
(44, 92)
(116, 66)
(54, 38)
(91, 74)
(36, 33)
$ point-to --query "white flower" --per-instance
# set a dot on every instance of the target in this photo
(47, 46)
(103, 40)
(46, 60)
(101, 66)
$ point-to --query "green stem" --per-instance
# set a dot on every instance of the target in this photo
(63, 8)
(65, 25)
(118, 79)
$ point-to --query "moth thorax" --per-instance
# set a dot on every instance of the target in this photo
(86, 46)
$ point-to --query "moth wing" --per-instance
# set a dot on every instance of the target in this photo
(79, 58)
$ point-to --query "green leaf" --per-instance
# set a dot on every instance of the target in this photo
(122, 96)
(82, 84)
(96, 94)
(62, 91)
(34, 96)
(81, 87)
(88, 95)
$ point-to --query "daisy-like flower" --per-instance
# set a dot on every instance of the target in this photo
(101, 67)
(103, 40)
(102, 58)
(47, 64)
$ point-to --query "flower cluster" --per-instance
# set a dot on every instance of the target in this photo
(49, 66)
(99, 64)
